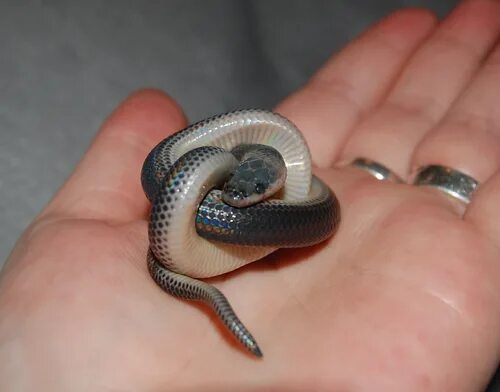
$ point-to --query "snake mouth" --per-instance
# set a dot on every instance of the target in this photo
(238, 198)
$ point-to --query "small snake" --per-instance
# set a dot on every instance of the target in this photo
(269, 199)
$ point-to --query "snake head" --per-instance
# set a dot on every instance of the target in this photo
(244, 193)
(253, 181)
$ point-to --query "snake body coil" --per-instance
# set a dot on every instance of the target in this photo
(194, 233)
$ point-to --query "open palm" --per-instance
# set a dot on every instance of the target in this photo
(404, 297)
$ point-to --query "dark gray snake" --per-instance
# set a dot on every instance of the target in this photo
(197, 230)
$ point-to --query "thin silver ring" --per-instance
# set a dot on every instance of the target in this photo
(377, 170)
(448, 180)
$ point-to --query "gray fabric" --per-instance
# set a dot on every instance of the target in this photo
(66, 64)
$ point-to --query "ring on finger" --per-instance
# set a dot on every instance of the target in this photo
(377, 170)
(450, 181)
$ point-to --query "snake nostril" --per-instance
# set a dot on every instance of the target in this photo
(236, 195)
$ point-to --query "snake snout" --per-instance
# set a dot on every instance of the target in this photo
(239, 196)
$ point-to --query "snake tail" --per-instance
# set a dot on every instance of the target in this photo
(184, 287)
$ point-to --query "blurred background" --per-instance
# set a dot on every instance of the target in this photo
(66, 64)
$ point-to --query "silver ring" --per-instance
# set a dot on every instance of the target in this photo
(448, 180)
(377, 170)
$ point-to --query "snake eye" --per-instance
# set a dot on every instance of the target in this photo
(260, 188)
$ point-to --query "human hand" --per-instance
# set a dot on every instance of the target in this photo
(405, 297)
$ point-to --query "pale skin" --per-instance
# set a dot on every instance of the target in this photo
(405, 297)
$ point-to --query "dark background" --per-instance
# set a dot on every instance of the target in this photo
(64, 65)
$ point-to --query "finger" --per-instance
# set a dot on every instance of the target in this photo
(353, 82)
(468, 138)
(106, 183)
(433, 78)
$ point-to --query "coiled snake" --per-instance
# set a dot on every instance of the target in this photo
(197, 230)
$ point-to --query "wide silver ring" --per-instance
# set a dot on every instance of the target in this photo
(377, 170)
(448, 180)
